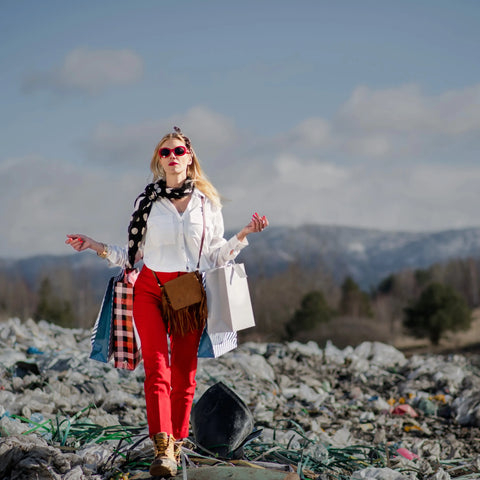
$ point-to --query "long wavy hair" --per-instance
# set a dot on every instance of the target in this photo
(194, 170)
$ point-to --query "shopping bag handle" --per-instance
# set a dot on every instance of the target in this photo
(237, 268)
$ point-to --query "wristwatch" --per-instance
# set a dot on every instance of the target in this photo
(104, 252)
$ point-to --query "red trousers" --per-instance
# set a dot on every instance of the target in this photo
(169, 379)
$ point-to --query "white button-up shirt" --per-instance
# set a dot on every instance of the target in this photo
(172, 239)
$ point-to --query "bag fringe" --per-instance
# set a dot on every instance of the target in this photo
(182, 321)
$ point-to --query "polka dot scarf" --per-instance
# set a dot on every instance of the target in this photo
(144, 202)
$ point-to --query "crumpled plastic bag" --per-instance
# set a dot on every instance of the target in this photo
(378, 474)
(404, 409)
(468, 409)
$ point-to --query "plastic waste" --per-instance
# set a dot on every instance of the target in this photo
(342, 437)
(93, 457)
(10, 426)
(440, 474)
(407, 453)
(378, 474)
(404, 409)
(315, 406)
(36, 418)
(26, 368)
(255, 367)
(425, 405)
(317, 451)
(34, 351)
(468, 409)
(380, 354)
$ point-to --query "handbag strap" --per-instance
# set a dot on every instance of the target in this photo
(201, 243)
(203, 232)
(160, 284)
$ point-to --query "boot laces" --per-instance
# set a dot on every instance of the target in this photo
(162, 443)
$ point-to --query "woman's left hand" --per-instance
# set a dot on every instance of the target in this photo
(257, 224)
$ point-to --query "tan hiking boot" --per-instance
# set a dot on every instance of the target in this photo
(177, 450)
(164, 464)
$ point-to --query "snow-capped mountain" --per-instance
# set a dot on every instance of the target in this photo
(367, 255)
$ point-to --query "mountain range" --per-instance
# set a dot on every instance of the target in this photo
(367, 255)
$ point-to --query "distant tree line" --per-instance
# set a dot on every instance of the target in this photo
(424, 303)
(60, 295)
(297, 303)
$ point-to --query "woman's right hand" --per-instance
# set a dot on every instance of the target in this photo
(80, 242)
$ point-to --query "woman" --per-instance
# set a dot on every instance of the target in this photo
(166, 230)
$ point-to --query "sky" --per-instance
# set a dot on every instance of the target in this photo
(355, 113)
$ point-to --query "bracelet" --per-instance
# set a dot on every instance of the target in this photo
(104, 252)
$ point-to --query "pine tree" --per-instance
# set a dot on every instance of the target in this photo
(313, 311)
(51, 308)
(438, 309)
(353, 301)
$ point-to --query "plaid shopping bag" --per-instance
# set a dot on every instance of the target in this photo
(126, 349)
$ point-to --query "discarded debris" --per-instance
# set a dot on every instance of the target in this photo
(324, 413)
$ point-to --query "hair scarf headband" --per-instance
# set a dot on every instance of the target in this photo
(144, 202)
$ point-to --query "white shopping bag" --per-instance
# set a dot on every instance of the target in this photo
(228, 299)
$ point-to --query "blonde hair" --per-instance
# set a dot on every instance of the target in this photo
(194, 170)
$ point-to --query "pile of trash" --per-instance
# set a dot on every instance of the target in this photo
(365, 412)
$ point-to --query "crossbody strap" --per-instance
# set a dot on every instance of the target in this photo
(203, 233)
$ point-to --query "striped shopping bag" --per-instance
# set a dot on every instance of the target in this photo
(126, 344)
(214, 345)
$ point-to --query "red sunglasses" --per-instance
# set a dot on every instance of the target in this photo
(177, 151)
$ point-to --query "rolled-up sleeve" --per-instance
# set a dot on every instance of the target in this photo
(221, 251)
(231, 249)
(117, 256)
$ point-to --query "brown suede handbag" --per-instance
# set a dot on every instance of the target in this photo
(184, 301)
(183, 291)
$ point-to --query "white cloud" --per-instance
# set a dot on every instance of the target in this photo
(301, 174)
(403, 120)
(89, 71)
(209, 129)
(50, 198)
(370, 145)
(53, 197)
(407, 109)
(458, 111)
(420, 198)
(315, 132)
(131, 146)
(318, 172)
(394, 110)
(441, 185)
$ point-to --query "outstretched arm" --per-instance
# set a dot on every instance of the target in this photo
(80, 242)
(114, 254)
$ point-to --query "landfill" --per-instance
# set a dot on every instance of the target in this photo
(363, 412)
